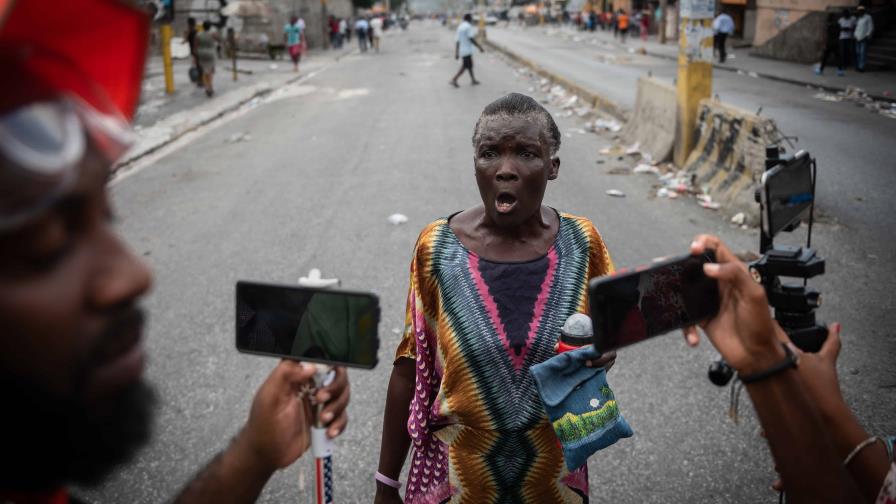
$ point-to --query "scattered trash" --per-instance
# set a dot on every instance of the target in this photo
(741, 72)
(633, 148)
(314, 280)
(827, 97)
(739, 219)
(706, 201)
(241, 136)
(616, 150)
(753, 75)
(619, 171)
(272, 66)
(616, 193)
(646, 168)
(396, 330)
(608, 124)
(254, 102)
(397, 219)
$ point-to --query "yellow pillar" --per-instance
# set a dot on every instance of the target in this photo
(694, 72)
(481, 32)
(165, 32)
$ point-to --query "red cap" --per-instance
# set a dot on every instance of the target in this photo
(95, 49)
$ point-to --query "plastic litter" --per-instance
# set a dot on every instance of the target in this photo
(314, 280)
(273, 66)
(616, 193)
(753, 75)
(608, 124)
(739, 219)
(242, 136)
(397, 219)
(633, 148)
(646, 168)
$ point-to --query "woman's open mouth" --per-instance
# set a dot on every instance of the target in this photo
(505, 202)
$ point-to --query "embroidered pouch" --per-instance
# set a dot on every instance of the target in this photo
(579, 404)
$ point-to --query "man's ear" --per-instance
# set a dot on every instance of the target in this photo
(555, 168)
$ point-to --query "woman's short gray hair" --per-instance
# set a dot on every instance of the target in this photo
(520, 105)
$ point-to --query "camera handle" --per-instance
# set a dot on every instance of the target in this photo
(321, 445)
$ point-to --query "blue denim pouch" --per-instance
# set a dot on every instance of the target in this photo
(580, 404)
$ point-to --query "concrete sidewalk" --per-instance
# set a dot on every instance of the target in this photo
(879, 85)
(162, 118)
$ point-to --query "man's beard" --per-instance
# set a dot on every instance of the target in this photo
(47, 441)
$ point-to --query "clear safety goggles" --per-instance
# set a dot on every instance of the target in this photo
(43, 148)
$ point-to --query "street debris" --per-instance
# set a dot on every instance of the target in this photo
(860, 98)
(633, 149)
(706, 201)
(238, 137)
(646, 168)
(753, 75)
(619, 171)
(739, 219)
(314, 280)
(607, 124)
(616, 193)
(397, 219)
(272, 66)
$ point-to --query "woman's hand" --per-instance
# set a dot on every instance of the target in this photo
(386, 495)
(743, 331)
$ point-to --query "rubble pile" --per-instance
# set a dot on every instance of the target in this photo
(858, 96)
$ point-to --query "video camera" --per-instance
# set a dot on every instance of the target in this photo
(786, 196)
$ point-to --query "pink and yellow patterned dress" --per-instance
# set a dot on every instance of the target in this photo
(473, 328)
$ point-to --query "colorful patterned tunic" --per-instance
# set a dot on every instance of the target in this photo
(474, 327)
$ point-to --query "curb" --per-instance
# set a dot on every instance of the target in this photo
(778, 78)
(598, 101)
(124, 163)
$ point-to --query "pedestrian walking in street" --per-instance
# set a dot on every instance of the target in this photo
(847, 24)
(361, 27)
(207, 53)
(463, 48)
(622, 21)
(376, 32)
(343, 32)
(645, 25)
(333, 26)
(831, 42)
(294, 35)
(490, 289)
(864, 30)
(190, 37)
(722, 27)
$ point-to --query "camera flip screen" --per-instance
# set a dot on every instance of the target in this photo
(789, 193)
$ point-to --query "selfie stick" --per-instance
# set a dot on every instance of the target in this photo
(321, 445)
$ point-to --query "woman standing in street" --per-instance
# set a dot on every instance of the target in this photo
(207, 53)
(490, 288)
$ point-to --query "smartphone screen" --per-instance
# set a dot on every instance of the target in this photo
(631, 306)
(316, 325)
(788, 190)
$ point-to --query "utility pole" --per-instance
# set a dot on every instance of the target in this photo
(481, 34)
(694, 71)
(662, 21)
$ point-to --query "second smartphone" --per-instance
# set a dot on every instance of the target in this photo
(633, 305)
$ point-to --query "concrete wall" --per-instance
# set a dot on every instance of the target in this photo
(776, 16)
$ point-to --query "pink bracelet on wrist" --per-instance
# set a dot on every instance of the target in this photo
(382, 478)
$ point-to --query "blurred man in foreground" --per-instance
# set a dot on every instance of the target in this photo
(71, 360)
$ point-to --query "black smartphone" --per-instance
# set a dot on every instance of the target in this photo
(787, 193)
(317, 325)
(633, 305)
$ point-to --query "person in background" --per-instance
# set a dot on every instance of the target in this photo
(864, 30)
(722, 27)
(376, 32)
(207, 52)
(622, 22)
(190, 38)
(831, 42)
(820, 450)
(645, 25)
(76, 405)
(333, 31)
(465, 39)
(294, 36)
(361, 28)
(346, 26)
(847, 24)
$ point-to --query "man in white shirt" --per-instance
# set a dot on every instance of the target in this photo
(463, 48)
(864, 29)
(376, 28)
(361, 27)
(722, 26)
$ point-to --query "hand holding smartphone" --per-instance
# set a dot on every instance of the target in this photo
(633, 305)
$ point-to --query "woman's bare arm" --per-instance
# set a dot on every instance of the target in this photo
(395, 441)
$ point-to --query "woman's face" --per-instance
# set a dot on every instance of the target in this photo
(513, 165)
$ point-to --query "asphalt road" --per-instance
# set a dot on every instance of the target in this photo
(372, 135)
